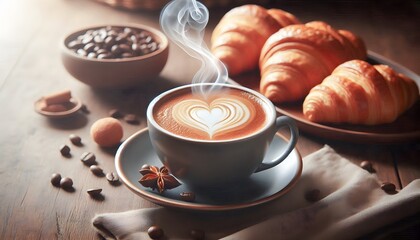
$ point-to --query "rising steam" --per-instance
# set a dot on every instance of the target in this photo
(184, 22)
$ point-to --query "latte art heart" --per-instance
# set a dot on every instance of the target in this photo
(221, 115)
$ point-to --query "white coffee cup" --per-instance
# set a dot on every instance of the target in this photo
(208, 163)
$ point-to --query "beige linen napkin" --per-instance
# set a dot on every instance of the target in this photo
(351, 205)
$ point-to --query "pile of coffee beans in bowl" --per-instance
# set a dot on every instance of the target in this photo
(114, 42)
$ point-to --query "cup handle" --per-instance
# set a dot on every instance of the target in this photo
(281, 122)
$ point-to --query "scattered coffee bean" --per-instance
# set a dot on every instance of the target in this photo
(66, 183)
(112, 177)
(94, 192)
(96, 170)
(145, 169)
(65, 150)
(187, 196)
(84, 109)
(155, 232)
(55, 179)
(115, 113)
(388, 187)
(88, 158)
(76, 140)
(197, 234)
(118, 42)
(131, 118)
(313, 195)
(367, 166)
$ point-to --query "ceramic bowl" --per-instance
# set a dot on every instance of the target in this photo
(115, 72)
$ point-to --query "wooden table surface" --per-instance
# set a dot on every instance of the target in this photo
(30, 67)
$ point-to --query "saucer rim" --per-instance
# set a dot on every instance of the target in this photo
(179, 204)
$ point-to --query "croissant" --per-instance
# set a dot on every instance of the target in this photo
(359, 93)
(300, 56)
(239, 36)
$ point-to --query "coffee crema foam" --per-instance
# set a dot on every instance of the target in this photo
(226, 115)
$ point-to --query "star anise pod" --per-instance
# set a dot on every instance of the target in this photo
(156, 178)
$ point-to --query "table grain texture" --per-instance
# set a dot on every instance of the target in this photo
(30, 67)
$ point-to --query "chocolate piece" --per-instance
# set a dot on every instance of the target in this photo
(76, 140)
(88, 158)
(94, 192)
(55, 179)
(155, 232)
(65, 150)
(66, 183)
(58, 98)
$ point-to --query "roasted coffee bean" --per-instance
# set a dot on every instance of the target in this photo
(104, 56)
(55, 179)
(75, 44)
(88, 158)
(99, 39)
(122, 38)
(132, 119)
(66, 183)
(197, 234)
(94, 192)
(122, 42)
(116, 50)
(127, 55)
(313, 195)
(96, 170)
(388, 187)
(84, 109)
(112, 177)
(89, 47)
(155, 232)
(125, 48)
(91, 55)
(76, 140)
(81, 52)
(367, 166)
(116, 113)
(87, 39)
(65, 150)
(187, 196)
(145, 169)
(102, 51)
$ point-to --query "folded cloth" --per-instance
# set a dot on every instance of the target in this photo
(333, 199)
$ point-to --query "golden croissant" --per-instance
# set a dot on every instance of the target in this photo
(359, 93)
(300, 56)
(239, 36)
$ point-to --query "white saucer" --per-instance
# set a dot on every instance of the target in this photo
(259, 188)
